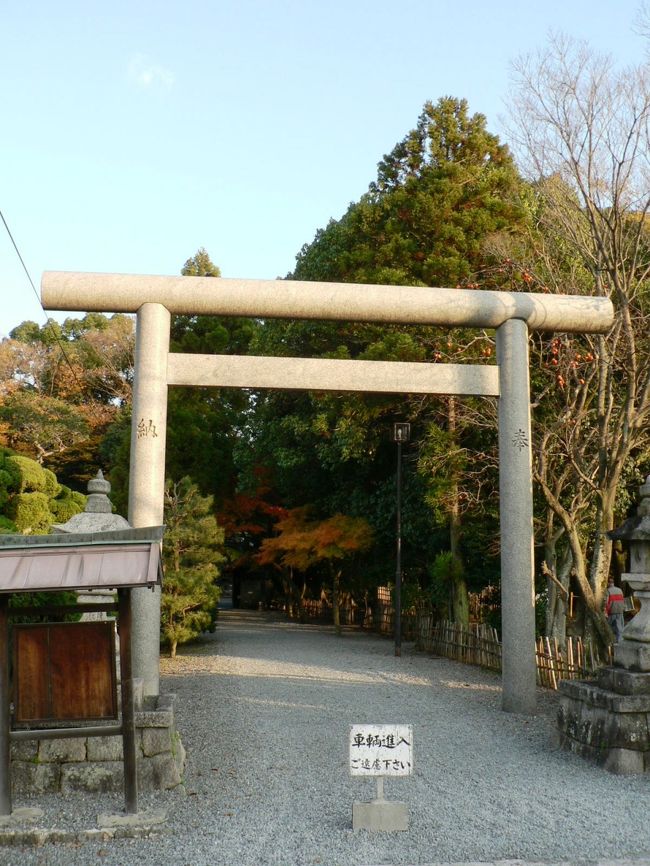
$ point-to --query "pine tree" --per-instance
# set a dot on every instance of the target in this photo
(191, 552)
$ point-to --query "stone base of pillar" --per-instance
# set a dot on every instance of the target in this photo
(607, 720)
(632, 655)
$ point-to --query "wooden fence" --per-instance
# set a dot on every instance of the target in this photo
(577, 661)
(321, 611)
(479, 645)
(383, 621)
(476, 645)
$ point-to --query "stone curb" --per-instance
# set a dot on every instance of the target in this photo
(15, 829)
(644, 861)
(37, 838)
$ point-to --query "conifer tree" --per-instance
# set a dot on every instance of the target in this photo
(445, 197)
(191, 553)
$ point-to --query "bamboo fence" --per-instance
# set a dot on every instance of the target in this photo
(577, 661)
(383, 621)
(476, 645)
(321, 611)
(479, 645)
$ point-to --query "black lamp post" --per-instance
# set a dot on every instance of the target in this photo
(401, 433)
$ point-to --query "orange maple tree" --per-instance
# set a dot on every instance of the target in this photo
(303, 542)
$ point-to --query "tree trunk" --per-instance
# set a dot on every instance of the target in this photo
(290, 595)
(596, 626)
(336, 610)
(301, 602)
(601, 558)
(595, 622)
(458, 586)
(459, 594)
(172, 649)
(558, 588)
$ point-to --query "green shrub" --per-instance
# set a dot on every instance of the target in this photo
(31, 513)
(32, 474)
(66, 504)
(6, 525)
(51, 487)
(31, 498)
(9, 476)
(33, 477)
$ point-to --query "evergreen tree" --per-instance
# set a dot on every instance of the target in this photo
(202, 423)
(191, 553)
(208, 418)
(443, 199)
(62, 386)
(440, 195)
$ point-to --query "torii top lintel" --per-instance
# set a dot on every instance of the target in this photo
(292, 299)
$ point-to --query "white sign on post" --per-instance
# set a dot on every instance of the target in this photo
(381, 750)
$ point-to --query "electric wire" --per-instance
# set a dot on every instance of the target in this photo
(58, 340)
(48, 324)
(20, 258)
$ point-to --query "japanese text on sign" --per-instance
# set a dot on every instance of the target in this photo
(381, 750)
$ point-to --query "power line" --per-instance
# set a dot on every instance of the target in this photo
(29, 277)
(48, 324)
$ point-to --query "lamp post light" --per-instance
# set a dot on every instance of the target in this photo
(401, 433)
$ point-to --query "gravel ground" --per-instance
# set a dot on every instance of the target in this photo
(264, 708)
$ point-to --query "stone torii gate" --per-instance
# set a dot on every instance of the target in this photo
(511, 314)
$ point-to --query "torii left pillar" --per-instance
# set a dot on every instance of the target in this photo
(147, 475)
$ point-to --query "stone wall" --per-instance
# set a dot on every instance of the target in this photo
(95, 763)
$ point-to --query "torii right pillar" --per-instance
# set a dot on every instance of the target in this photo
(516, 506)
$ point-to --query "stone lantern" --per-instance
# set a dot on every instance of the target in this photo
(98, 515)
(607, 720)
(633, 653)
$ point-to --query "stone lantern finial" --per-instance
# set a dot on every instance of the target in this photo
(98, 515)
(98, 490)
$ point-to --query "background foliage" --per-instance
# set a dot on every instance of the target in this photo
(293, 493)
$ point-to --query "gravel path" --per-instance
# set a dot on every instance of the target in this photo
(264, 708)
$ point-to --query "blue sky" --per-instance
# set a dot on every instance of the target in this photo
(136, 132)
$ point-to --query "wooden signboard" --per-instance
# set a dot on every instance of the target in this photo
(381, 750)
(64, 672)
